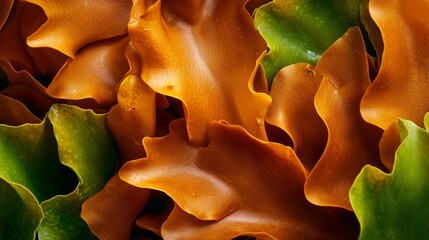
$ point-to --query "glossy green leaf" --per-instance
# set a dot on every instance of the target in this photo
(85, 145)
(28, 156)
(395, 205)
(300, 31)
(20, 213)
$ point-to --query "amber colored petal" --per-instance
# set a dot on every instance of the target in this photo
(94, 73)
(155, 213)
(74, 24)
(24, 20)
(22, 77)
(133, 118)
(36, 102)
(237, 184)
(12, 42)
(292, 109)
(110, 214)
(401, 87)
(352, 142)
(14, 112)
(5, 7)
(389, 143)
(204, 53)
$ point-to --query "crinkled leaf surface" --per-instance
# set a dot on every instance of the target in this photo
(394, 206)
(94, 73)
(352, 142)
(20, 213)
(300, 31)
(29, 157)
(206, 54)
(293, 111)
(73, 24)
(236, 185)
(86, 146)
(400, 88)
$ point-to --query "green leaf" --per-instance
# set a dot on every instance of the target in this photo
(395, 205)
(300, 31)
(87, 146)
(20, 213)
(28, 156)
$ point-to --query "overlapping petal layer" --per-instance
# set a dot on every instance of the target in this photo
(15, 113)
(293, 110)
(352, 142)
(111, 216)
(204, 53)
(401, 87)
(94, 73)
(5, 7)
(300, 31)
(133, 118)
(384, 202)
(237, 185)
(73, 24)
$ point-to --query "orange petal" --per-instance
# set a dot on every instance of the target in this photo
(14, 112)
(36, 102)
(22, 77)
(238, 184)
(352, 142)
(74, 23)
(401, 87)
(133, 118)
(12, 41)
(389, 143)
(204, 53)
(94, 73)
(5, 7)
(292, 109)
(24, 20)
(110, 214)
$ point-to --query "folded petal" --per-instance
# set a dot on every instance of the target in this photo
(5, 7)
(401, 86)
(352, 142)
(14, 112)
(236, 185)
(111, 213)
(204, 53)
(94, 73)
(74, 24)
(292, 109)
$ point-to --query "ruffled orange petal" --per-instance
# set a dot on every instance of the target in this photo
(352, 142)
(36, 102)
(12, 41)
(238, 184)
(133, 118)
(75, 23)
(401, 87)
(292, 109)
(5, 7)
(111, 213)
(94, 73)
(204, 53)
(14, 112)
